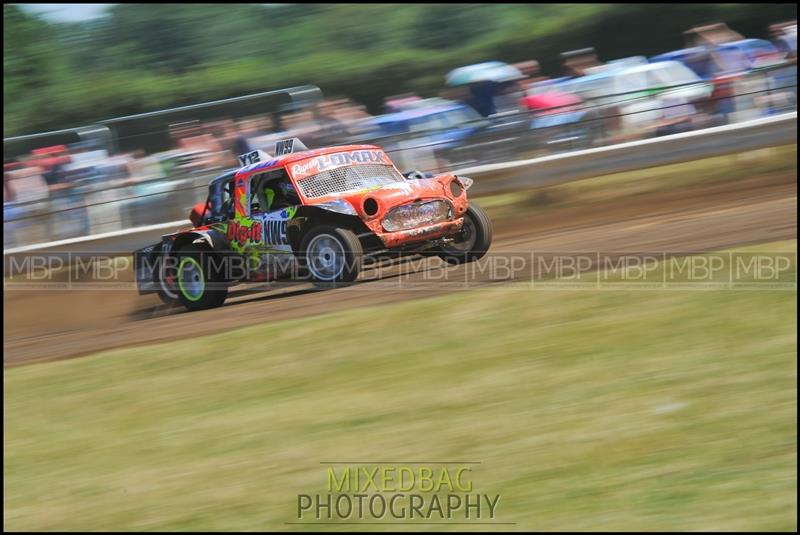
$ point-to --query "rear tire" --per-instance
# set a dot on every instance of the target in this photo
(200, 284)
(168, 300)
(168, 291)
(473, 241)
(331, 255)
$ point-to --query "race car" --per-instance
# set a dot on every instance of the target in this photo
(310, 215)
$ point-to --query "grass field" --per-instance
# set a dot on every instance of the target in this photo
(770, 162)
(587, 409)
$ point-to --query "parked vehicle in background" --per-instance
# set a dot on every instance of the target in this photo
(749, 54)
(762, 68)
(736, 57)
(739, 70)
(699, 59)
(445, 122)
(784, 37)
(453, 132)
(635, 101)
(787, 44)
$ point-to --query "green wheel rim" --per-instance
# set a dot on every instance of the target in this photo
(191, 281)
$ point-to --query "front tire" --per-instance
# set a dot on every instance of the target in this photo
(200, 285)
(473, 241)
(331, 255)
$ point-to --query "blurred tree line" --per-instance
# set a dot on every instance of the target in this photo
(143, 57)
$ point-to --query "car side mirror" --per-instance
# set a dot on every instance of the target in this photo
(196, 215)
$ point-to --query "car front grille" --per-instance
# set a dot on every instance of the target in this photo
(409, 216)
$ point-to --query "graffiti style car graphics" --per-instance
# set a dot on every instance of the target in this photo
(313, 215)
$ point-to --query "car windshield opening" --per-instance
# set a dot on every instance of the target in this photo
(348, 179)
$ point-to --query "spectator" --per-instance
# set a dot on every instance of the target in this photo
(481, 98)
(397, 102)
(209, 150)
(51, 162)
(247, 130)
(531, 71)
(10, 164)
(330, 129)
(508, 98)
(677, 116)
(576, 62)
(228, 136)
(25, 184)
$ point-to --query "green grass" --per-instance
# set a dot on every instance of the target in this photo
(588, 410)
(774, 162)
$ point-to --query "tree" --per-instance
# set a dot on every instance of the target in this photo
(160, 37)
(143, 57)
(441, 26)
(30, 54)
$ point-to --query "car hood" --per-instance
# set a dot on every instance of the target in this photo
(393, 194)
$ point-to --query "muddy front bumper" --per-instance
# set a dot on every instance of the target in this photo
(424, 233)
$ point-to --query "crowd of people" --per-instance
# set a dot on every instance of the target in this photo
(68, 190)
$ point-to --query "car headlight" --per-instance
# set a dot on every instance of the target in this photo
(340, 206)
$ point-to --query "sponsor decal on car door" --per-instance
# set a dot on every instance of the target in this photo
(274, 248)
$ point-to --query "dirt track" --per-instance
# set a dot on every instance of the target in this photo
(43, 325)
